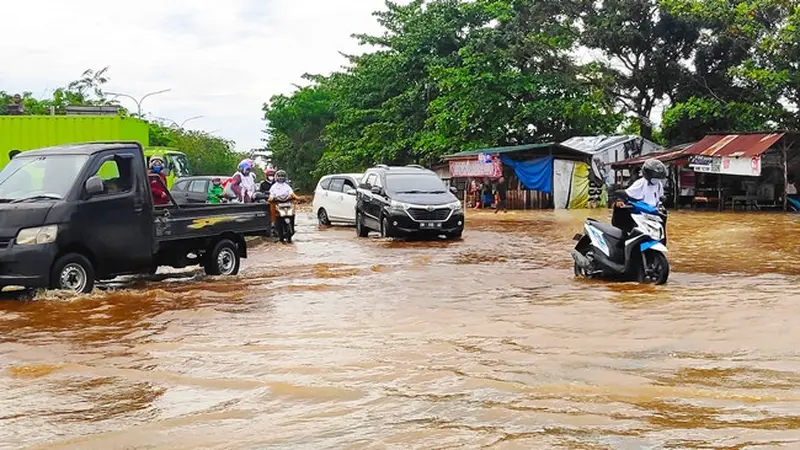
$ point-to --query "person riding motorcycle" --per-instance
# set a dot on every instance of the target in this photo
(648, 189)
(158, 181)
(269, 180)
(281, 191)
(243, 182)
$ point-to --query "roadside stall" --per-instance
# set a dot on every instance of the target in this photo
(538, 176)
(732, 171)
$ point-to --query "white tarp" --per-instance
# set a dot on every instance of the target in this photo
(606, 150)
(562, 182)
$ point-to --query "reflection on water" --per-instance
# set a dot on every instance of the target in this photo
(368, 343)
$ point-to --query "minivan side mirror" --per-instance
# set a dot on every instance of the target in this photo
(349, 191)
(364, 186)
(377, 190)
(453, 190)
(94, 186)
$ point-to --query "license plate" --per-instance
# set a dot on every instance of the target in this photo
(284, 205)
(430, 225)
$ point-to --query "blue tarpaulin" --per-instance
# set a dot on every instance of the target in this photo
(536, 175)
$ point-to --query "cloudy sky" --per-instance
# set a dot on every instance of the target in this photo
(221, 59)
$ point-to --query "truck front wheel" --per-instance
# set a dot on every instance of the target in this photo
(223, 259)
(73, 272)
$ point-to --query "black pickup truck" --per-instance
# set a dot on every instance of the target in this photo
(73, 214)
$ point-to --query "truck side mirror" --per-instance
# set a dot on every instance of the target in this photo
(377, 190)
(94, 186)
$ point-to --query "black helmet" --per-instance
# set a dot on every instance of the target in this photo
(280, 175)
(654, 169)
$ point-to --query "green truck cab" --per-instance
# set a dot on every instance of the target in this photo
(25, 133)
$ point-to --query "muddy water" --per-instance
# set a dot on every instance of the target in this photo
(337, 342)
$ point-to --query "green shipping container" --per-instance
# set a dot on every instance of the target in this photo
(32, 132)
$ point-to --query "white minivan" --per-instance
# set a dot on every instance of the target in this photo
(335, 198)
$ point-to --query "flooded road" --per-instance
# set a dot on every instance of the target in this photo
(340, 342)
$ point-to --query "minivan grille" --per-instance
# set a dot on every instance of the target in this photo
(422, 214)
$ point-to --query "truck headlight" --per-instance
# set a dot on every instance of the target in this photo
(37, 236)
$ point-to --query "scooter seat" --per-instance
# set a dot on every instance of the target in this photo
(608, 229)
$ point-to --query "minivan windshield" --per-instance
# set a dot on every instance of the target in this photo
(51, 176)
(414, 184)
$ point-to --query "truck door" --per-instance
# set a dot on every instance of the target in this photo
(116, 225)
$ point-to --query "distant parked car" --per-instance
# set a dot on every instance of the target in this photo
(193, 190)
(335, 198)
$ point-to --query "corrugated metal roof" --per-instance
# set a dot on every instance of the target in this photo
(596, 144)
(734, 145)
(499, 150)
(672, 154)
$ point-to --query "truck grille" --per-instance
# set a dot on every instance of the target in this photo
(423, 215)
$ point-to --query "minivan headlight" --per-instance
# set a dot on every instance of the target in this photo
(37, 235)
(455, 206)
(398, 206)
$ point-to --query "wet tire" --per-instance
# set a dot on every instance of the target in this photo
(322, 217)
(455, 236)
(73, 272)
(361, 230)
(224, 259)
(658, 271)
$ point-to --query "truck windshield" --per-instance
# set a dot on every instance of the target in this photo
(39, 176)
(415, 184)
(180, 165)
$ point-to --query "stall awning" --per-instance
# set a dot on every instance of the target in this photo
(734, 145)
(670, 155)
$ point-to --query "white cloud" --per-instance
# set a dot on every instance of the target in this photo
(221, 60)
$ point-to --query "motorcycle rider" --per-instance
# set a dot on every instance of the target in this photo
(648, 189)
(269, 180)
(281, 190)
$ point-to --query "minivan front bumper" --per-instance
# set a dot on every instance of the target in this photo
(402, 222)
(27, 265)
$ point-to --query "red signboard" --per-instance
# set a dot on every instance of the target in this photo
(476, 169)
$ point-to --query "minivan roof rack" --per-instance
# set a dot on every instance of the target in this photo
(415, 165)
(382, 166)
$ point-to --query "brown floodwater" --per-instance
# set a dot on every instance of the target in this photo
(340, 342)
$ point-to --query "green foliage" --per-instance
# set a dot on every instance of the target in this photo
(85, 91)
(448, 75)
(690, 120)
(208, 155)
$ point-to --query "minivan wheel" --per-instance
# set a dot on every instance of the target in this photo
(73, 272)
(361, 230)
(224, 259)
(322, 217)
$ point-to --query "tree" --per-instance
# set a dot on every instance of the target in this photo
(446, 75)
(85, 91)
(736, 83)
(644, 44)
(295, 127)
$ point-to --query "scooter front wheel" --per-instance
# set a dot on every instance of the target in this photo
(656, 270)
